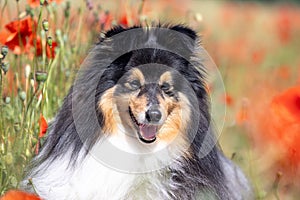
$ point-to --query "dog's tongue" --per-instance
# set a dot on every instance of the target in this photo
(148, 132)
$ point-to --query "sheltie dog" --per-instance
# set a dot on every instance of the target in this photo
(136, 124)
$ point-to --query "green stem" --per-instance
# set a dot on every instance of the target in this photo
(29, 103)
(2, 11)
(40, 17)
(1, 101)
(276, 185)
(38, 30)
(78, 35)
(31, 183)
(141, 7)
(19, 27)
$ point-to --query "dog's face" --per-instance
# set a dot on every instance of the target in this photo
(147, 104)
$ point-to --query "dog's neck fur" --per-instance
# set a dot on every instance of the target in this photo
(91, 179)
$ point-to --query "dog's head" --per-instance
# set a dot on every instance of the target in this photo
(149, 102)
(154, 95)
(144, 85)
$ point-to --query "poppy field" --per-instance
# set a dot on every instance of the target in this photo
(255, 46)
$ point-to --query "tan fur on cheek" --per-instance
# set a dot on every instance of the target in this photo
(138, 105)
(166, 105)
(171, 128)
(174, 128)
(109, 111)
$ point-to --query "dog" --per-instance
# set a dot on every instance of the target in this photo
(136, 124)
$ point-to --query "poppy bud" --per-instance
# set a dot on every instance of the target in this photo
(67, 13)
(5, 67)
(45, 24)
(27, 71)
(49, 41)
(32, 82)
(42, 2)
(68, 5)
(9, 158)
(29, 11)
(4, 50)
(27, 153)
(58, 33)
(22, 95)
(7, 100)
(41, 76)
(67, 10)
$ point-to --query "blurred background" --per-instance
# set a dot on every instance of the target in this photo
(255, 45)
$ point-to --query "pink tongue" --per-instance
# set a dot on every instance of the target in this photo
(148, 132)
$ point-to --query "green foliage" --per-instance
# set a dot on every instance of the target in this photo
(31, 86)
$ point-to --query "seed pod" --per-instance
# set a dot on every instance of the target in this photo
(68, 6)
(27, 153)
(49, 41)
(41, 76)
(9, 158)
(7, 100)
(27, 71)
(32, 82)
(42, 2)
(45, 24)
(4, 50)
(67, 9)
(58, 33)
(5, 67)
(22, 95)
(29, 11)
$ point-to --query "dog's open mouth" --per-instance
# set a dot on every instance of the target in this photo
(146, 132)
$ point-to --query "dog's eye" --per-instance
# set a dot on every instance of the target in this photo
(135, 84)
(165, 87)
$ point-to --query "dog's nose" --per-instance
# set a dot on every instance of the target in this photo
(153, 115)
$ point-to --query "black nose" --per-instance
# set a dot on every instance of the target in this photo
(153, 115)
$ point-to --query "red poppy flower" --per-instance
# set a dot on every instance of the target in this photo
(227, 99)
(128, 15)
(105, 19)
(284, 25)
(242, 115)
(43, 126)
(19, 195)
(286, 106)
(36, 3)
(20, 37)
(284, 129)
(278, 125)
(50, 52)
(17, 33)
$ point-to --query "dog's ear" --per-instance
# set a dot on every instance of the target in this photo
(114, 31)
(185, 30)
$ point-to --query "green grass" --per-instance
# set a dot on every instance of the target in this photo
(25, 98)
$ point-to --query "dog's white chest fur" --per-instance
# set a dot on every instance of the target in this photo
(91, 180)
(95, 181)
